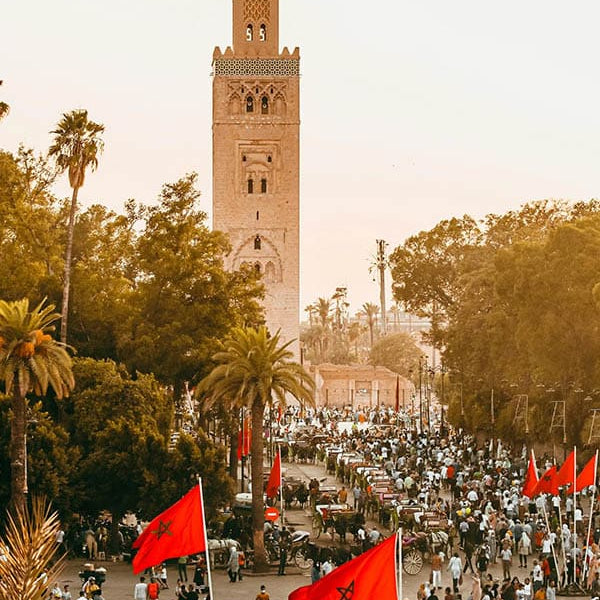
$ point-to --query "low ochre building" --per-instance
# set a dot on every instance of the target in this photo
(360, 386)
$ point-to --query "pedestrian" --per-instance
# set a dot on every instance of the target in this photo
(180, 591)
(506, 556)
(524, 549)
(199, 570)
(140, 591)
(343, 495)
(468, 549)
(448, 595)
(476, 588)
(182, 568)
(66, 594)
(164, 584)
(455, 568)
(315, 571)
(262, 595)
(284, 544)
(153, 589)
(436, 570)
(192, 593)
(233, 565)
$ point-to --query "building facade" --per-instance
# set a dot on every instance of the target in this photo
(256, 157)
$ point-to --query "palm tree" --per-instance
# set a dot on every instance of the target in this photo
(76, 146)
(370, 311)
(355, 330)
(255, 369)
(30, 360)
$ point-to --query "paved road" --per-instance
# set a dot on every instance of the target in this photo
(120, 578)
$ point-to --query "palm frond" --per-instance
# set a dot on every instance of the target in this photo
(30, 548)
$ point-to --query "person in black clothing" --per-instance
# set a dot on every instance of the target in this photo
(468, 550)
(192, 593)
(284, 546)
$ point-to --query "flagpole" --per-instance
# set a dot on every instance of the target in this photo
(574, 549)
(398, 557)
(281, 485)
(210, 587)
(589, 532)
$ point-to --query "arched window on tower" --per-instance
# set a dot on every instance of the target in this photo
(263, 33)
(257, 242)
(249, 32)
(249, 104)
(264, 105)
(263, 186)
(251, 186)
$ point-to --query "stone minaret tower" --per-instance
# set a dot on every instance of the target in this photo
(256, 127)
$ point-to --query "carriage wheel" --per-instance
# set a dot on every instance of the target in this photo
(301, 559)
(413, 562)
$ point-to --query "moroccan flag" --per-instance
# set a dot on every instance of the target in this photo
(531, 479)
(370, 575)
(244, 438)
(274, 477)
(566, 474)
(547, 483)
(587, 476)
(178, 531)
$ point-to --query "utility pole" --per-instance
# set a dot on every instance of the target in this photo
(381, 264)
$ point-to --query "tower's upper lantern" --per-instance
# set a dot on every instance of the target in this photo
(256, 27)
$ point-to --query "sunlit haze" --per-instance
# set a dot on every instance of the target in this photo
(411, 111)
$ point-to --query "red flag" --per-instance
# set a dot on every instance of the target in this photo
(397, 393)
(370, 575)
(275, 477)
(244, 439)
(547, 483)
(176, 532)
(531, 479)
(566, 475)
(587, 476)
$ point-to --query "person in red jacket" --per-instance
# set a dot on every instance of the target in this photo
(153, 589)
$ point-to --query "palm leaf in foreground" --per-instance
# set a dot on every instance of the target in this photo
(29, 545)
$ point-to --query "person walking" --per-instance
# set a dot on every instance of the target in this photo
(436, 571)
(455, 567)
(140, 591)
(233, 565)
(182, 568)
(506, 556)
(284, 545)
(524, 549)
(153, 589)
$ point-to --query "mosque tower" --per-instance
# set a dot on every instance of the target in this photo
(256, 157)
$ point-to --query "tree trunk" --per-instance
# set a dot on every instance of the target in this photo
(261, 564)
(18, 448)
(68, 259)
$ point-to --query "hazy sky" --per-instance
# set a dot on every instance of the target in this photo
(411, 111)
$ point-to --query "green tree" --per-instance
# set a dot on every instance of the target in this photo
(255, 370)
(30, 228)
(397, 352)
(30, 361)
(184, 299)
(77, 144)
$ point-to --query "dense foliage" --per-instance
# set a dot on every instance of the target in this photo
(514, 303)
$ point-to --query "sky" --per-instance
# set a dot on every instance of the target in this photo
(412, 112)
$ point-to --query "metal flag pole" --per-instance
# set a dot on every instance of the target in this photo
(281, 484)
(210, 587)
(589, 531)
(398, 556)
(574, 549)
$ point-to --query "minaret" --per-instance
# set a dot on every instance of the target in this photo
(256, 160)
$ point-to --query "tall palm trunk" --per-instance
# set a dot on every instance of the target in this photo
(68, 260)
(18, 448)
(261, 564)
